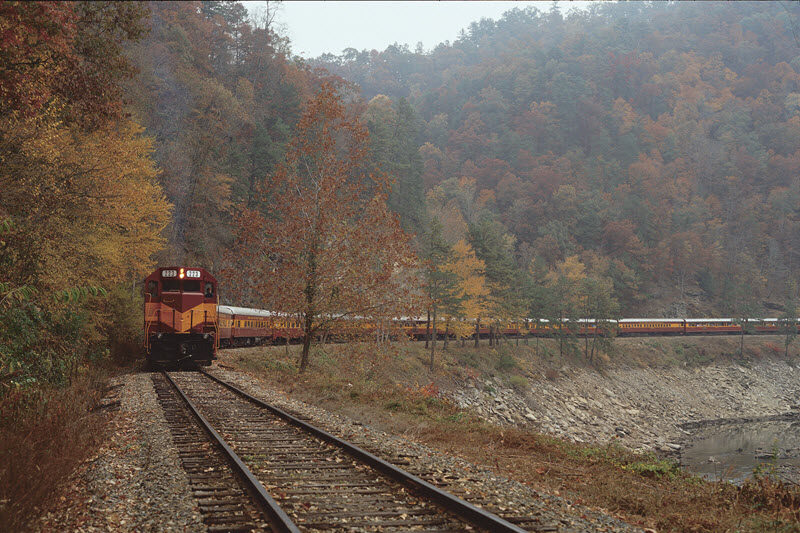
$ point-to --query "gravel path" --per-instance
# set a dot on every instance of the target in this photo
(554, 513)
(134, 482)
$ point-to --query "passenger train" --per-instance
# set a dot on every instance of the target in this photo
(185, 325)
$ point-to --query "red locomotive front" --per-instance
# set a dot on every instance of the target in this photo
(180, 317)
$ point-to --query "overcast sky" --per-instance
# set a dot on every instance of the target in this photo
(318, 27)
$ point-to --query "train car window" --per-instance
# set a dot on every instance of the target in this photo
(152, 288)
(209, 290)
(170, 285)
(191, 286)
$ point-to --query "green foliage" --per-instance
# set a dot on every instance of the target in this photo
(78, 294)
(41, 346)
(655, 468)
(394, 147)
(10, 295)
(519, 382)
(692, 354)
(505, 362)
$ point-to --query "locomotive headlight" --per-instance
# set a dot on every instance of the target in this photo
(181, 274)
(206, 335)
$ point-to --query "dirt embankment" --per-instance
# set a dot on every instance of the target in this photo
(639, 395)
(641, 408)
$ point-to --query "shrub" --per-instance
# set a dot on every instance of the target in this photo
(518, 382)
(505, 362)
(655, 468)
(45, 433)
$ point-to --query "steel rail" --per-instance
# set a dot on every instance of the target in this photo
(475, 515)
(278, 518)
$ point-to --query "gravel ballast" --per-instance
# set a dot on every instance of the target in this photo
(134, 482)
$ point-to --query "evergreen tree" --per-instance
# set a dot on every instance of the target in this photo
(496, 249)
(442, 284)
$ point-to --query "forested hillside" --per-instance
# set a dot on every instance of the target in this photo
(219, 97)
(652, 146)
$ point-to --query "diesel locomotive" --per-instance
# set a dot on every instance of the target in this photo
(181, 325)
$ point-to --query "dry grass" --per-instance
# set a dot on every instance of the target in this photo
(44, 436)
(393, 390)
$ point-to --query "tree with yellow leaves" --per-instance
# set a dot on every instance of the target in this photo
(472, 290)
(86, 206)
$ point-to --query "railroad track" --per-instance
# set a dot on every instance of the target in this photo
(298, 477)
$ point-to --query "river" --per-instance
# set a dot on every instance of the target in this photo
(732, 451)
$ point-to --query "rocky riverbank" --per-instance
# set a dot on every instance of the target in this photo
(641, 408)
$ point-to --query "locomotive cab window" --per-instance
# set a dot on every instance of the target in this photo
(152, 288)
(209, 290)
(191, 286)
(170, 285)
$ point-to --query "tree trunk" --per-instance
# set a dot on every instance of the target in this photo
(477, 331)
(446, 333)
(586, 346)
(433, 338)
(304, 353)
(428, 330)
(308, 335)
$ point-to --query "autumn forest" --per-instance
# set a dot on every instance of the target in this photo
(631, 159)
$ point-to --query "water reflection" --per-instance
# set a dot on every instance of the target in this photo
(732, 451)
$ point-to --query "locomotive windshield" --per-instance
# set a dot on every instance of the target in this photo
(174, 285)
(191, 286)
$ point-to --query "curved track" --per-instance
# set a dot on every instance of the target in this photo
(319, 481)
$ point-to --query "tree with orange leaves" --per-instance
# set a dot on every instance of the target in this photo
(321, 244)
